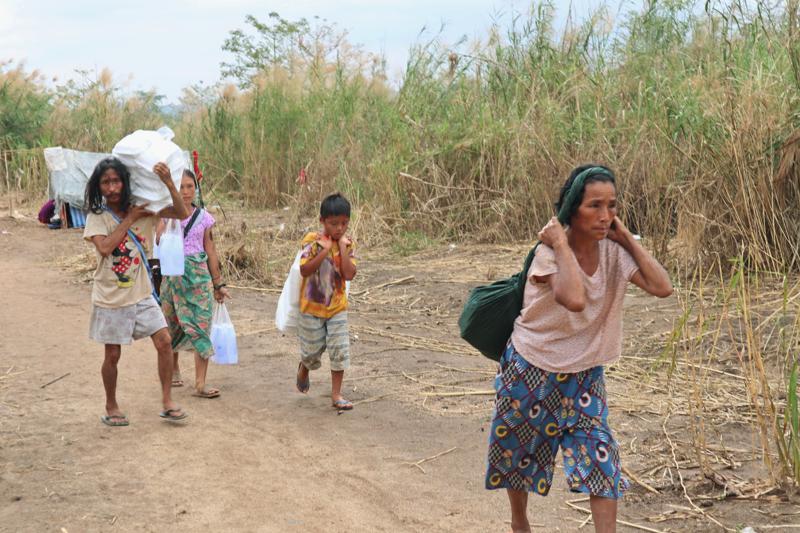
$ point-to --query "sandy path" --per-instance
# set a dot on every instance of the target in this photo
(260, 458)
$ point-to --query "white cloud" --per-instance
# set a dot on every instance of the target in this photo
(172, 44)
(13, 39)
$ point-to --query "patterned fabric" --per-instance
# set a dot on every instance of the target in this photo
(123, 325)
(323, 293)
(193, 243)
(120, 279)
(536, 412)
(186, 301)
(319, 334)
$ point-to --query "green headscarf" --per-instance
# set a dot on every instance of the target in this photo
(572, 199)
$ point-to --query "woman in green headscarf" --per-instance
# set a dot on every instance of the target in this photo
(550, 388)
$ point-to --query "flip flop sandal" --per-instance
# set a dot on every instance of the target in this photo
(169, 414)
(205, 393)
(177, 381)
(114, 420)
(302, 385)
(343, 405)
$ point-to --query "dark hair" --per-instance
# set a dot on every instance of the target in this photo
(334, 205)
(189, 173)
(199, 191)
(591, 178)
(93, 198)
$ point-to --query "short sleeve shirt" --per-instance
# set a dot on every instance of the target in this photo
(121, 278)
(193, 243)
(555, 339)
(323, 294)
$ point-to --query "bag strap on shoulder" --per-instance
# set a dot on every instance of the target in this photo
(523, 275)
(195, 216)
(142, 254)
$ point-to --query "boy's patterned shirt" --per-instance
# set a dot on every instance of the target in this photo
(323, 294)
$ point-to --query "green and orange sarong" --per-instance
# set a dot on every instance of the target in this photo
(186, 301)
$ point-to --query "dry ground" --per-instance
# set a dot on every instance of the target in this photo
(266, 458)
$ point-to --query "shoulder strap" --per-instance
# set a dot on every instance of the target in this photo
(529, 259)
(195, 216)
(523, 276)
(142, 254)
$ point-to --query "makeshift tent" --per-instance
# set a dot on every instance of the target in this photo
(69, 172)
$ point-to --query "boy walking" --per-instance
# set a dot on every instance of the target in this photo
(326, 263)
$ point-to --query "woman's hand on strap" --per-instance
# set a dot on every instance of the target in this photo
(553, 233)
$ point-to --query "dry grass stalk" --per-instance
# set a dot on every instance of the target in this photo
(414, 341)
(619, 521)
(418, 464)
(400, 281)
(455, 394)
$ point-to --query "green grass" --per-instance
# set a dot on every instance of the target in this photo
(409, 242)
(692, 108)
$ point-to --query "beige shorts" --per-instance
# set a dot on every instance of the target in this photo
(123, 325)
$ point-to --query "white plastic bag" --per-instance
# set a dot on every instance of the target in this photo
(170, 249)
(223, 337)
(288, 311)
(140, 151)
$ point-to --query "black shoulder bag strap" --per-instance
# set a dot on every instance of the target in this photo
(195, 216)
(142, 254)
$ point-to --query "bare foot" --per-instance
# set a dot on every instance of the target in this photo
(521, 528)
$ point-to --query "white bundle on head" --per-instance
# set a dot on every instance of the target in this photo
(140, 151)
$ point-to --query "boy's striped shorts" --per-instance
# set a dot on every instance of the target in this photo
(319, 334)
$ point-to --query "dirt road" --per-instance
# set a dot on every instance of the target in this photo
(262, 457)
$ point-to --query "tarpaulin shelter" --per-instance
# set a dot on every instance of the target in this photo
(69, 172)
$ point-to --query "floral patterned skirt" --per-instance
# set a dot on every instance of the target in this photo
(186, 301)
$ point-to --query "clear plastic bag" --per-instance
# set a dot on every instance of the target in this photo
(288, 311)
(170, 249)
(223, 337)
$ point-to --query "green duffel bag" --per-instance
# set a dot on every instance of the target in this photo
(487, 320)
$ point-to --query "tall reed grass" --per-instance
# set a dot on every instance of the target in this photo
(695, 110)
(748, 321)
(24, 106)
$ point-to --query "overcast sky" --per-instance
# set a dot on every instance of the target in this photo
(169, 44)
